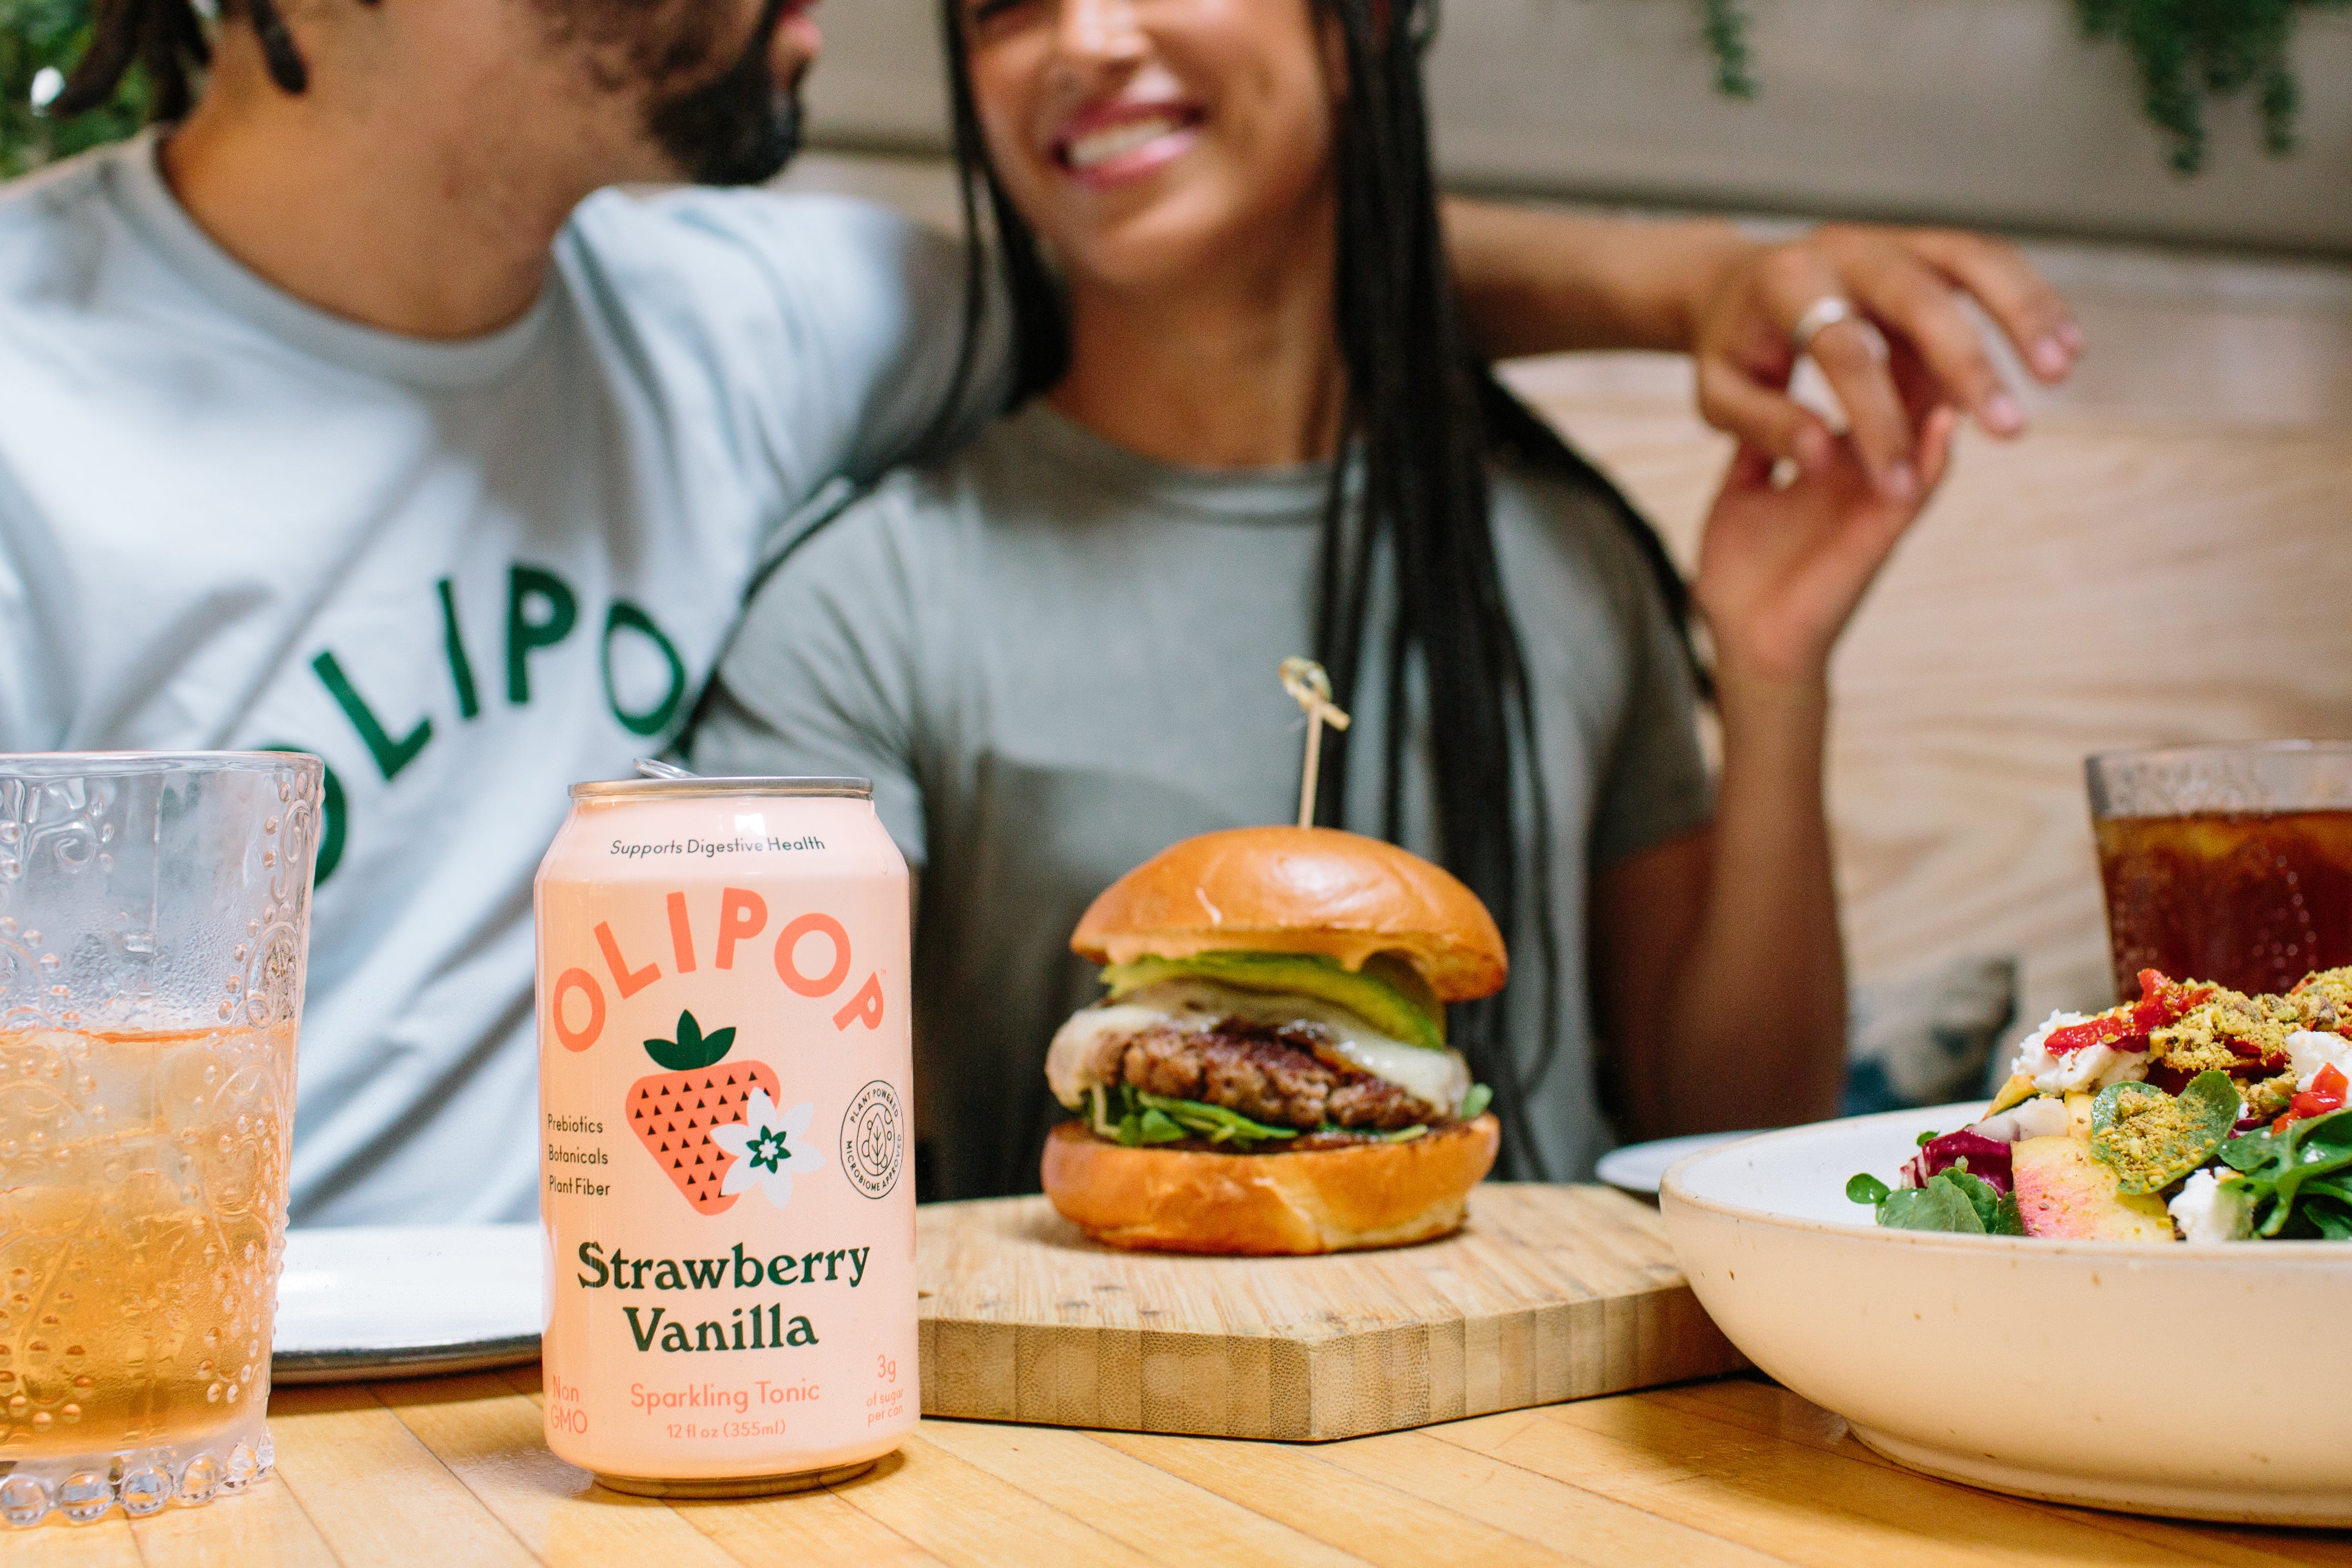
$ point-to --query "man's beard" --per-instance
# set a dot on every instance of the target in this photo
(740, 128)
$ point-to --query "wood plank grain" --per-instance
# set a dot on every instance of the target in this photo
(490, 1439)
(57, 1544)
(815, 1528)
(1736, 1473)
(1355, 1513)
(266, 1525)
(1772, 1411)
(1768, 1410)
(373, 1489)
(1551, 1513)
(963, 1515)
(1550, 1292)
(1875, 1493)
(2234, 1544)
(1160, 1515)
(1784, 1498)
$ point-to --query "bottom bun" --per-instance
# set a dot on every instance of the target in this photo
(1313, 1200)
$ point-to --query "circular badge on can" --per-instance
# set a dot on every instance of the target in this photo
(872, 1139)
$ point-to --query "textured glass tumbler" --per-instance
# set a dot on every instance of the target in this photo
(154, 927)
(2230, 863)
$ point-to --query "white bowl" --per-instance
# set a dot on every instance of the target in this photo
(2200, 1382)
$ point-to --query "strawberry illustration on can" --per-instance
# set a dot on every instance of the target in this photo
(674, 1112)
(723, 971)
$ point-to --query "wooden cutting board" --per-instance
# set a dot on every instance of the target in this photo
(1548, 1293)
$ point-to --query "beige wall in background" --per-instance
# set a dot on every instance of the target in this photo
(1985, 111)
(2168, 556)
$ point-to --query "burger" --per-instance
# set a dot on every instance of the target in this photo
(1269, 1071)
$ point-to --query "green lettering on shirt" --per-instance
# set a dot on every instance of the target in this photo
(527, 632)
(461, 668)
(657, 718)
(391, 755)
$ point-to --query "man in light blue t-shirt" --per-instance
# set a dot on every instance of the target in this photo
(353, 421)
(358, 415)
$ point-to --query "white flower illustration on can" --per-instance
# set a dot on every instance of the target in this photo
(768, 1149)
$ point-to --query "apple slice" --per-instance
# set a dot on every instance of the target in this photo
(2063, 1191)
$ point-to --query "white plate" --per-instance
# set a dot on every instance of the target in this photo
(407, 1301)
(1638, 1169)
(2152, 1377)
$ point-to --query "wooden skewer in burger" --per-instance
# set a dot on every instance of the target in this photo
(1269, 1074)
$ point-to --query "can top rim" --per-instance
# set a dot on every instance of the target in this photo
(840, 788)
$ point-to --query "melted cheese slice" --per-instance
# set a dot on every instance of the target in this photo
(1086, 1050)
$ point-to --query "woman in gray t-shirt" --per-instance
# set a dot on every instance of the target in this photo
(1257, 432)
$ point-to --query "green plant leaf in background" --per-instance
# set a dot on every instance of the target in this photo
(2187, 53)
(1727, 40)
(2190, 52)
(38, 35)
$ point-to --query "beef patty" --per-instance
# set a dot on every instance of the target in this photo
(1267, 1073)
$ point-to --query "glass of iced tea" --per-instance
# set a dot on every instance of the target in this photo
(2228, 863)
(154, 927)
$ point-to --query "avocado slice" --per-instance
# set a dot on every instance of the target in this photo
(1387, 993)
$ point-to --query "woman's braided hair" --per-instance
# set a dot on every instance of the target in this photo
(170, 39)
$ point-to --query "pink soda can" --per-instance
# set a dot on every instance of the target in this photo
(725, 1067)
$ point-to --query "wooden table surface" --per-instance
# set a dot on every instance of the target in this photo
(452, 1472)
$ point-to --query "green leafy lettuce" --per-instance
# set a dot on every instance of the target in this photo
(1127, 1115)
(1952, 1200)
(1130, 1116)
(2298, 1177)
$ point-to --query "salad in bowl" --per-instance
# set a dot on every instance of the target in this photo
(2194, 1114)
(1962, 1333)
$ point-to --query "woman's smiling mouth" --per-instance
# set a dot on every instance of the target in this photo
(1113, 143)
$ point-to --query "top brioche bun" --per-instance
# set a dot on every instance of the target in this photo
(1298, 890)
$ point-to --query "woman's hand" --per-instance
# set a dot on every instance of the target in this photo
(1542, 283)
(1782, 568)
(1910, 284)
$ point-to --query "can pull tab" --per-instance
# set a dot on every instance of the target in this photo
(653, 767)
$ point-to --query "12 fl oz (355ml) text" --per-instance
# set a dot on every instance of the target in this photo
(681, 1430)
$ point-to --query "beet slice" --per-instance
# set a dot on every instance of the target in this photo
(1988, 1159)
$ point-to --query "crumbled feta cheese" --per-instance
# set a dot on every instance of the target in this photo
(2208, 1210)
(2091, 1068)
(2313, 1051)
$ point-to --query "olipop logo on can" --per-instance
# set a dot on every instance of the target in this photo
(724, 1073)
